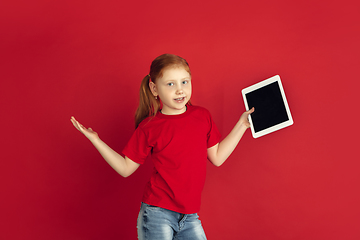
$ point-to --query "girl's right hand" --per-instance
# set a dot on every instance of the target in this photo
(88, 132)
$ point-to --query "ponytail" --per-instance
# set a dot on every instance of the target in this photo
(148, 105)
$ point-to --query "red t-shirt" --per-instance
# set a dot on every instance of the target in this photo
(178, 147)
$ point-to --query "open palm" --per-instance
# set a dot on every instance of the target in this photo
(88, 132)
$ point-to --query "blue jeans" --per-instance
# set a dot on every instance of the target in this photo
(155, 223)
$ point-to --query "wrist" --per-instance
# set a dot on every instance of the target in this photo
(95, 140)
(243, 125)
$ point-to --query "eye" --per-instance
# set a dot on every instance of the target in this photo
(170, 84)
(185, 82)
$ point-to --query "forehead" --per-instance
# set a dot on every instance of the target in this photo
(173, 73)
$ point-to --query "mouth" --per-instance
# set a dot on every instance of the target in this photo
(179, 99)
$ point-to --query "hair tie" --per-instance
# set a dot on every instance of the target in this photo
(149, 75)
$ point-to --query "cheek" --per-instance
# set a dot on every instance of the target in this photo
(189, 88)
(188, 92)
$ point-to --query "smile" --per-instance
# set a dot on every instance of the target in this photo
(179, 99)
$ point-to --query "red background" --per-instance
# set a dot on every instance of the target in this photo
(87, 58)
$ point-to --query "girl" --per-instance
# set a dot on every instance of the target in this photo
(180, 138)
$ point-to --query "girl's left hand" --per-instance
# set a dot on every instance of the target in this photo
(244, 118)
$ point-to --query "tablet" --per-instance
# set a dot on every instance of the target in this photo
(272, 111)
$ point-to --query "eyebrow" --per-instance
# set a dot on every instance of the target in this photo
(180, 79)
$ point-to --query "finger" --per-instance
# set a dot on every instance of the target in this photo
(77, 125)
(73, 120)
(74, 123)
(251, 110)
(81, 126)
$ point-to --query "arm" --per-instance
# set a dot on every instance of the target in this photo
(221, 151)
(124, 166)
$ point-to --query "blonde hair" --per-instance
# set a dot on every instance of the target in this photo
(148, 104)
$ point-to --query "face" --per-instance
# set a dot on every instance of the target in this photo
(173, 89)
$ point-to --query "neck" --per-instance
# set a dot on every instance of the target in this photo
(174, 113)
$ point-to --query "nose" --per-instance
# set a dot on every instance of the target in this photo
(179, 90)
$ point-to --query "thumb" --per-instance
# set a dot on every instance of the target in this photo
(251, 111)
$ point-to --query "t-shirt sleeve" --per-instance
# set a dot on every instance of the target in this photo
(137, 149)
(214, 134)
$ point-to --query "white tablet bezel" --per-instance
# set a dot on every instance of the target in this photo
(275, 127)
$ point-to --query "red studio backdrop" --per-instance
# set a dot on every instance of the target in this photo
(87, 58)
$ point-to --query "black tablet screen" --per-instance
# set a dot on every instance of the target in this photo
(269, 107)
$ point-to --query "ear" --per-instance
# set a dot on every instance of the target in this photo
(153, 89)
